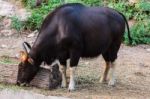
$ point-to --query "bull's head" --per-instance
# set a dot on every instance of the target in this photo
(27, 68)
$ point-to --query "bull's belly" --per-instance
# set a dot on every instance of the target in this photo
(92, 52)
(92, 49)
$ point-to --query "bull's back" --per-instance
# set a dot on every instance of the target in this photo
(100, 27)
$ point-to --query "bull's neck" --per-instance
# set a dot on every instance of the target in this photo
(45, 54)
(35, 56)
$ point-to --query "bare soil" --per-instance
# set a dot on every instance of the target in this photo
(132, 71)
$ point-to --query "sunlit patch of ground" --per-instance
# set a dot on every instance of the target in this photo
(15, 92)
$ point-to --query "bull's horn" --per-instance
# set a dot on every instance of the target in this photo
(26, 47)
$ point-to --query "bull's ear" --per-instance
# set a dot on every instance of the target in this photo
(30, 60)
(23, 56)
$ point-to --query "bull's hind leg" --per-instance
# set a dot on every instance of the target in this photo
(110, 56)
(103, 78)
(109, 69)
(109, 72)
(112, 77)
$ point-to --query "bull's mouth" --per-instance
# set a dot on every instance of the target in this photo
(22, 84)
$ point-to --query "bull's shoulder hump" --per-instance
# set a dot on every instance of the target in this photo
(73, 7)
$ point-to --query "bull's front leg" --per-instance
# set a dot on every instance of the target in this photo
(72, 79)
(74, 59)
(62, 69)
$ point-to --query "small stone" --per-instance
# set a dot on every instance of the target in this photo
(22, 14)
(4, 46)
(7, 22)
(13, 47)
(86, 63)
(33, 34)
(148, 49)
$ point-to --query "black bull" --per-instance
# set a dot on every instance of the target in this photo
(72, 31)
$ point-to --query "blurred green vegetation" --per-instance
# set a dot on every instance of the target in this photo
(140, 12)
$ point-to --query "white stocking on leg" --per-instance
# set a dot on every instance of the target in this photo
(72, 79)
(63, 72)
(112, 80)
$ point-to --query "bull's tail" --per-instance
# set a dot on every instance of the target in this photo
(129, 36)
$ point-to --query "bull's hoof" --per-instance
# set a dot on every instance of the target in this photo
(112, 83)
(64, 85)
(71, 86)
(71, 89)
(103, 81)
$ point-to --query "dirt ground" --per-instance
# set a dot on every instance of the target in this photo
(132, 71)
